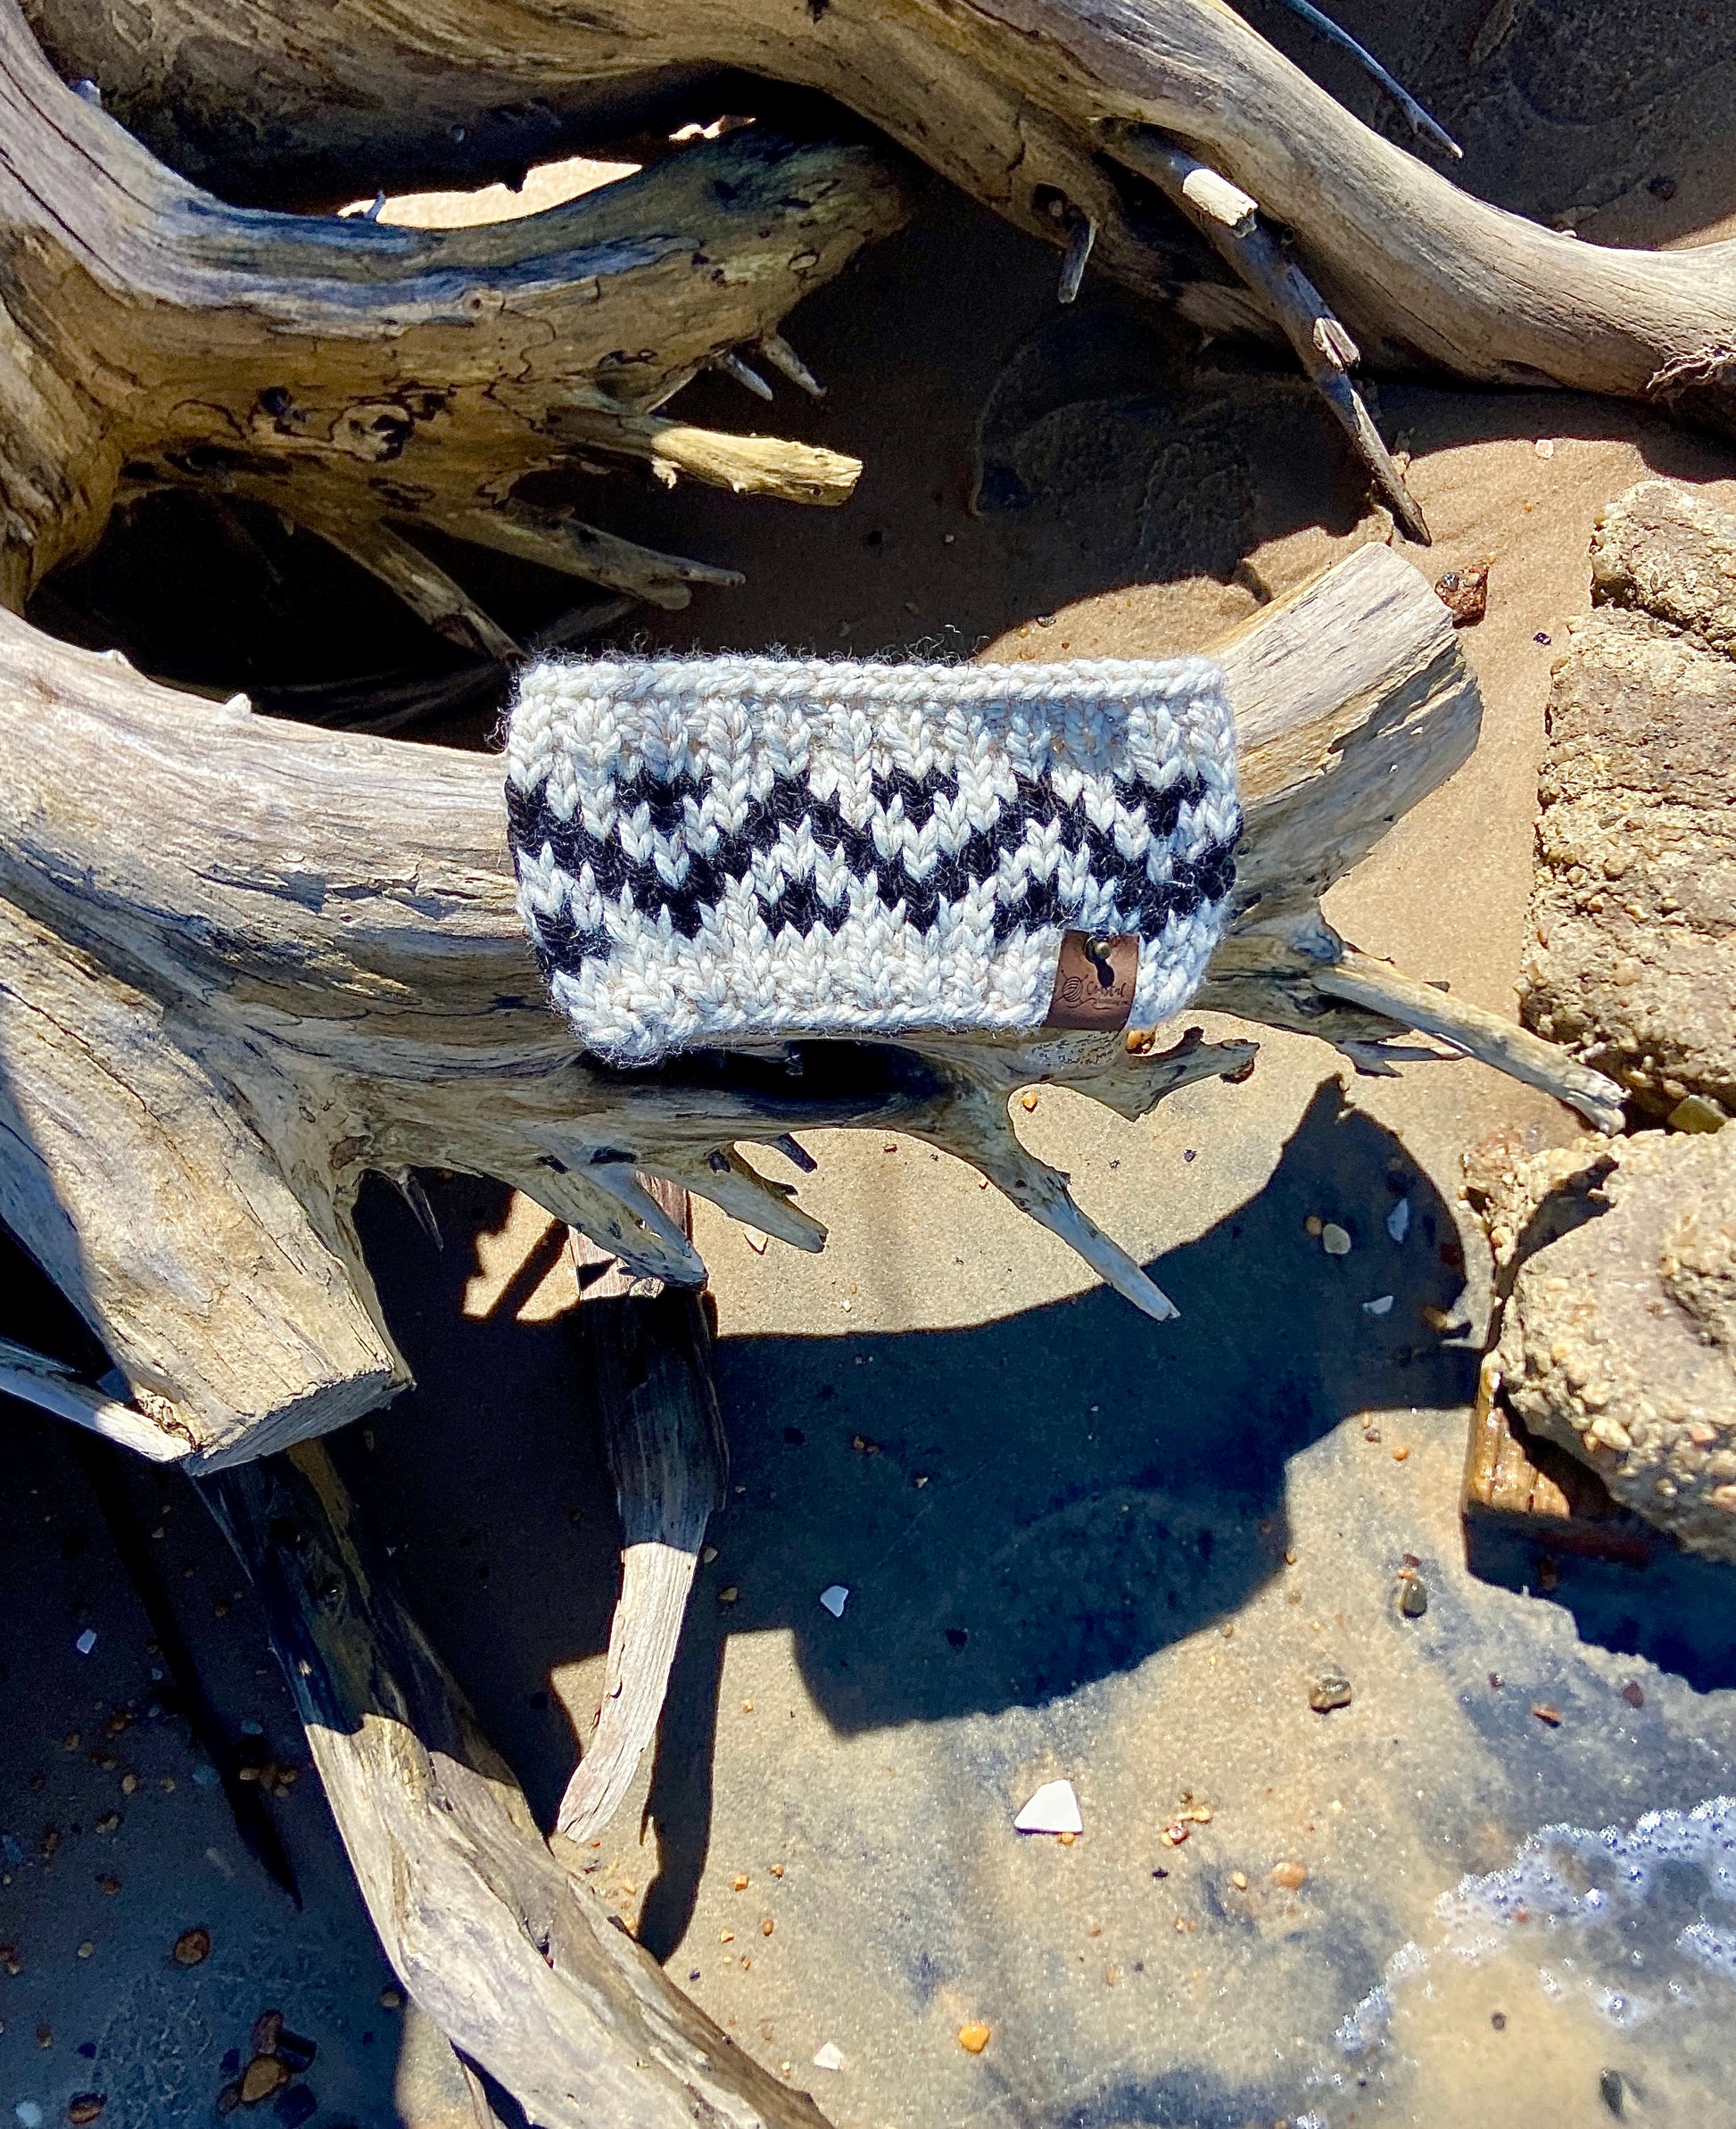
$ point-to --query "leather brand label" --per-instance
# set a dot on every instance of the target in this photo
(1093, 982)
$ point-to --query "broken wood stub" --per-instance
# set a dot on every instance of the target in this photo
(648, 1358)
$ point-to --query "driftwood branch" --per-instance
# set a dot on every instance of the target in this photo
(1007, 101)
(294, 957)
(369, 380)
(515, 1960)
(1231, 222)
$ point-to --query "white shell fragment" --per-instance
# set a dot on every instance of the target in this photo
(1398, 1221)
(835, 1598)
(1334, 1240)
(1054, 1809)
(1381, 1307)
(829, 2058)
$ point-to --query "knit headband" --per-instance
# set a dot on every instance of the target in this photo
(748, 848)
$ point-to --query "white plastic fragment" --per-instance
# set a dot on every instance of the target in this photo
(1054, 1809)
(86, 1642)
(1334, 1240)
(834, 1598)
(1382, 1307)
(829, 2058)
(1398, 1221)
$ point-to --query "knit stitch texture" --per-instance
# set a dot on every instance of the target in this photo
(742, 849)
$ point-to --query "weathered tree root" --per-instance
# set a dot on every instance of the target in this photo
(292, 957)
(367, 380)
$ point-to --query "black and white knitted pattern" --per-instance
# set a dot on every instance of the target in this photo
(729, 848)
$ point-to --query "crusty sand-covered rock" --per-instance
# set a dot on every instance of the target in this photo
(1619, 1336)
(1631, 955)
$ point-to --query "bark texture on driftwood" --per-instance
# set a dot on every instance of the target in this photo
(1010, 102)
(369, 380)
(517, 1962)
(1631, 956)
(293, 958)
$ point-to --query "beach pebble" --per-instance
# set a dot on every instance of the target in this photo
(28, 2114)
(86, 1642)
(834, 1597)
(85, 2108)
(1412, 1593)
(1054, 1809)
(1382, 1305)
(1330, 1689)
(1398, 1221)
(264, 2075)
(191, 1947)
(829, 2058)
(1290, 1876)
(974, 2037)
(1334, 1240)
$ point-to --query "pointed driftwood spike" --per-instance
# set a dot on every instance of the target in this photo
(424, 586)
(733, 1187)
(558, 542)
(411, 1189)
(732, 366)
(633, 1227)
(780, 355)
(794, 1152)
(1081, 234)
(974, 1124)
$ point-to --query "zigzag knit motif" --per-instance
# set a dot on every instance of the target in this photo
(730, 849)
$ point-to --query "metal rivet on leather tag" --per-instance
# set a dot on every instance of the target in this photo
(1093, 982)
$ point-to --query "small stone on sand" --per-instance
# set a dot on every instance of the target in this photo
(973, 2038)
(834, 1597)
(1398, 1221)
(1334, 1240)
(1289, 1877)
(829, 2058)
(264, 2075)
(191, 1947)
(1330, 1689)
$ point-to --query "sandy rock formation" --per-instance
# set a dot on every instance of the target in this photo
(1632, 955)
(1618, 1340)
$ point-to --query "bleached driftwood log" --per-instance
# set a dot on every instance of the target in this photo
(1015, 102)
(290, 957)
(520, 1965)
